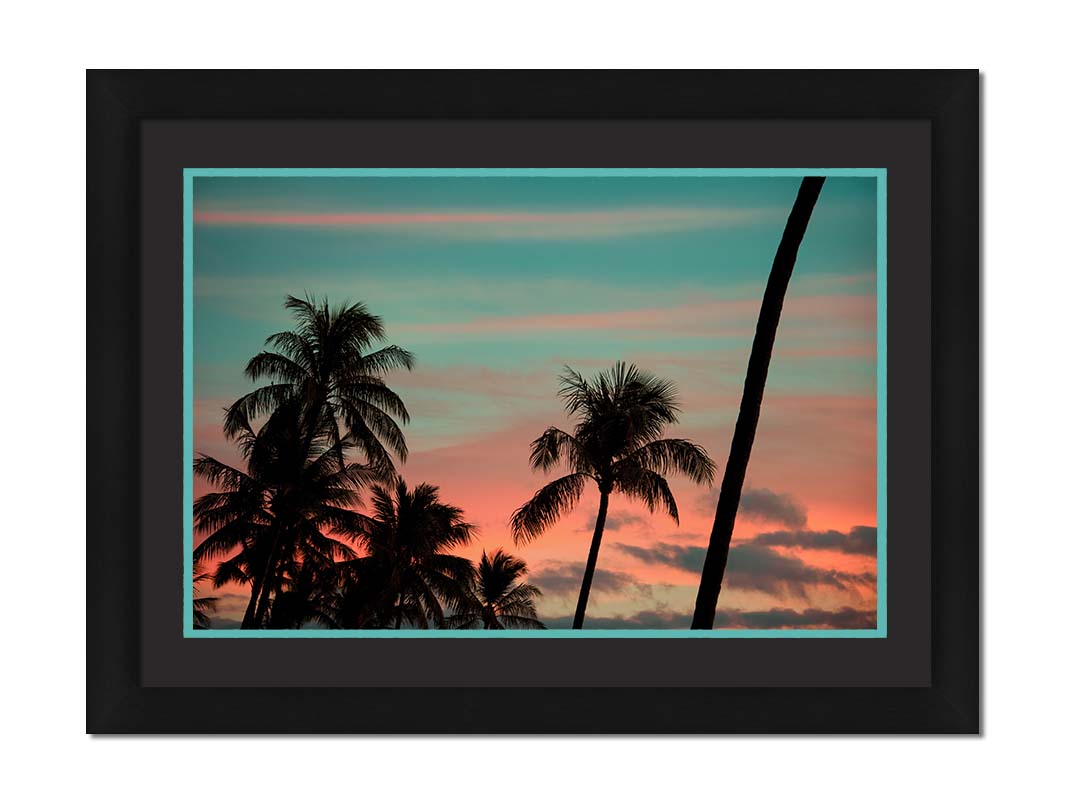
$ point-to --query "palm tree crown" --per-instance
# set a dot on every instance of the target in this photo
(408, 568)
(619, 417)
(325, 364)
(496, 598)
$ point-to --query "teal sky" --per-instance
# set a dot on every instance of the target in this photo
(496, 282)
(420, 275)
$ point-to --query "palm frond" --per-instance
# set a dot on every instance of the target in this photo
(672, 456)
(221, 475)
(546, 507)
(386, 359)
(256, 403)
(575, 391)
(554, 445)
(374, 430)
(227, 538)
(293, 345)
(374, 392)
(275, 366)
(649, 488)
(230, 571)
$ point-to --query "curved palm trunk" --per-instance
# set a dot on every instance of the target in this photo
(590, 566)
(260, 589)
(271, 579)
(250, 611)
(748, 416)
(270, 586)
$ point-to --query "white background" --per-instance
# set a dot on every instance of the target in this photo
(1018, 46)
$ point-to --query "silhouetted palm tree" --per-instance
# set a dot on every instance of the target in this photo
(408, 576)
(275, 510)
(496, 599)
(202, 606)
(621, 414)
(751, 399)
(325, 364)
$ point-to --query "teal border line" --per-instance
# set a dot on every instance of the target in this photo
(882, 411)
(529, 172)
(187, 400)
(189, 173)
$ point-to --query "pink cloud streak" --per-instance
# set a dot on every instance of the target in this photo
(738, 315)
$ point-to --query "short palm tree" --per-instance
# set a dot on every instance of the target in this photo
(496, 598)
(620, 415)
(274, 512)
(408, 577)
(202, 606)
(326, 363)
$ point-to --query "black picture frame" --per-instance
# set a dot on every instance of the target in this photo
(117, 104)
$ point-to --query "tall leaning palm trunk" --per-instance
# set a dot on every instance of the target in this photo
(751, 399)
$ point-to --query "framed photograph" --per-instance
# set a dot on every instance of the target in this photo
(472, 402)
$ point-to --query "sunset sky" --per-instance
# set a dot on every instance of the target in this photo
(496, 283)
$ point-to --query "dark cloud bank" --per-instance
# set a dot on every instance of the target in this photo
(766, 506)
(727, 618)
(861, 540)
(618, 519)
(560, 577)
(754, 565)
